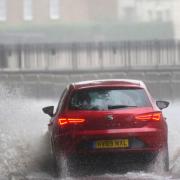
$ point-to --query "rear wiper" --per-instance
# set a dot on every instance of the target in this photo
(119, 106)
(81, 107)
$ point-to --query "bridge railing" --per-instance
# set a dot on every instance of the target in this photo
(90, 56)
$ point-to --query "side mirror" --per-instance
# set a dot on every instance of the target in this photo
(49, 110)
(162, 104)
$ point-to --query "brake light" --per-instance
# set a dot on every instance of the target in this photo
(149, 117)
(64, 121)
(76, 120)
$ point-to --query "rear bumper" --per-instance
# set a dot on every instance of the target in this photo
(122, 157)
(141, 140)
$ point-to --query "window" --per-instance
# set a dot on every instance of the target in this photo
(28, 16)
(63, 95)
(106, 99)
(127, 9)
(167, 15)
(2, 10)
(150, 14)
(159, 15)
(54, 8)
(130, 13)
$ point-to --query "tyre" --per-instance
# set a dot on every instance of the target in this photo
(162, 160)
(56, 166)
(60, 165)
(160, 163)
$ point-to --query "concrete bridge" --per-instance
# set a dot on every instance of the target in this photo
(43, 70)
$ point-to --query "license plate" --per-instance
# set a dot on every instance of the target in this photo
(118, 143)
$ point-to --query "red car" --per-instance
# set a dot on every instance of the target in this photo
(108, 117)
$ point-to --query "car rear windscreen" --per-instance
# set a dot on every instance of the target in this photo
(105, 99)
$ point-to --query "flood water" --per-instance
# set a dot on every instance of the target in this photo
(23, 149)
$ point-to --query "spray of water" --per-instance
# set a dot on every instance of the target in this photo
(172, 113)
(23, 126)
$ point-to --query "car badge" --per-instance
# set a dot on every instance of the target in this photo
(110, 117)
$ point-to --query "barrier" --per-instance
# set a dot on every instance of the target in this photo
(162, 83)
(90, 56)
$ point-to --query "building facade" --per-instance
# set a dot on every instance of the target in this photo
(146, 10)
(46, 11)
(64, 12)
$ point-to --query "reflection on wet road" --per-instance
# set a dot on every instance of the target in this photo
(24, 155)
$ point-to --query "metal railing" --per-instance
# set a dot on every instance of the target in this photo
(90, 56)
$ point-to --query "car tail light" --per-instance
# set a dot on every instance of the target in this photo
(64, 121)
(149, 117)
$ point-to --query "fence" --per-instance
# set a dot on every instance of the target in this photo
(90, 56)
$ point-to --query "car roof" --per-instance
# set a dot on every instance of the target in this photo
(108, 83)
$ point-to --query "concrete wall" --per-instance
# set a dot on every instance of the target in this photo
(90, 56)
(74, 11)
(163, 84)
(104, 10)
(14, 12)
(40, 11)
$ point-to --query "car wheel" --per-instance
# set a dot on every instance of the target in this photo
(163, 160)
(56, 167)
(160, 164)
(60, 165)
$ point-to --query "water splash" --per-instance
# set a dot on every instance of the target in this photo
(21, 134)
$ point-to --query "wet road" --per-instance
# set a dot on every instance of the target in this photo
(23, 150)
